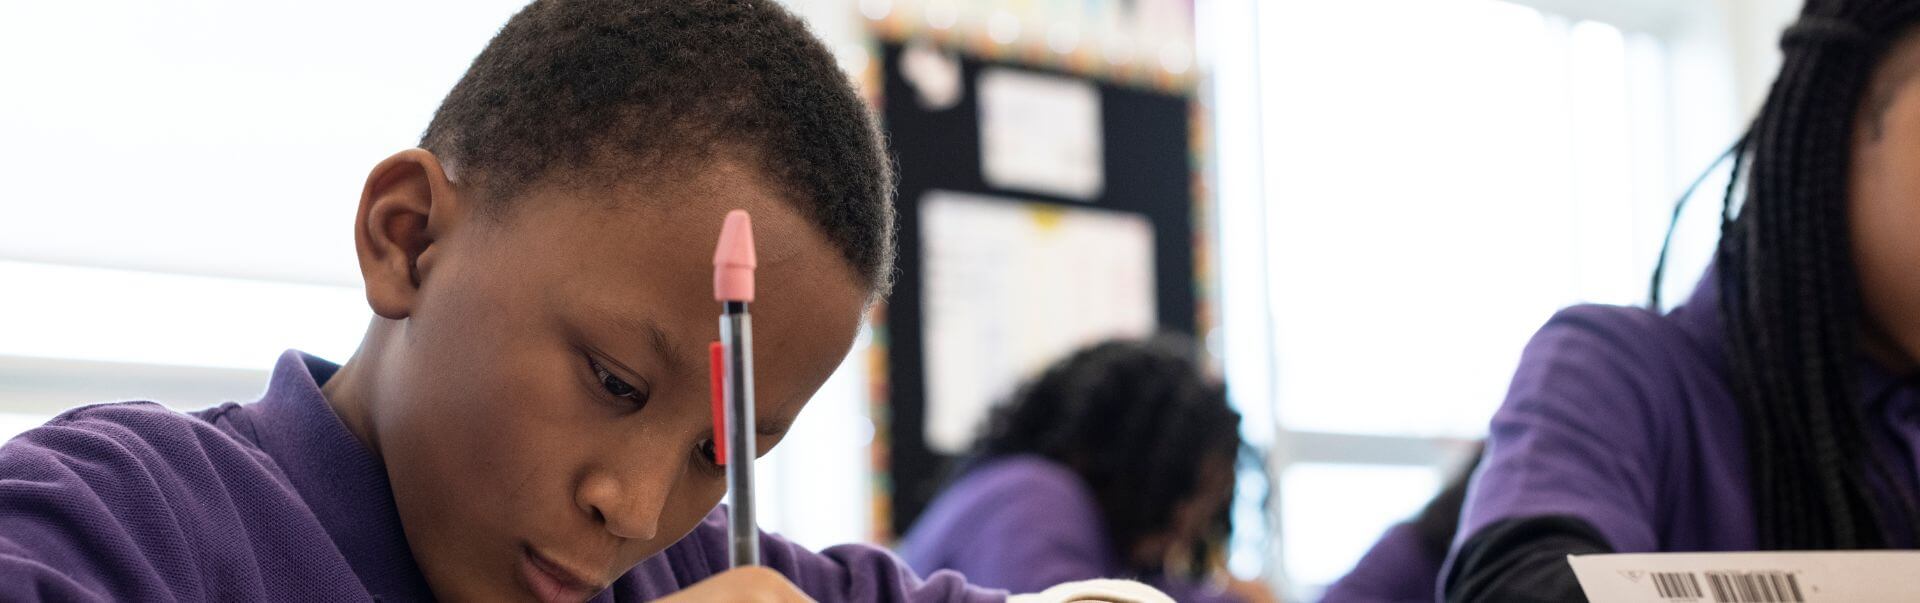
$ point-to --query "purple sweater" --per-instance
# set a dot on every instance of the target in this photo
(277, 501)
(1623, 419)
(1024, 523)
(1398, 569)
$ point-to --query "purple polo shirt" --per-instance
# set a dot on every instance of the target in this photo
(1024, 523)
(277, 501)
(1623, 418)
(1398, 569)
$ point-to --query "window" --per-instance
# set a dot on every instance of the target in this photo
(1320, 543)
(1453, 178)
(1428, 182)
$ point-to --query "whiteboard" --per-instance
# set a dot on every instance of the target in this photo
(1010, 286)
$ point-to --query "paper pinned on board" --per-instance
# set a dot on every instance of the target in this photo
(1792, 577)
(1040, 133)
(1009, 287)
(933, 73)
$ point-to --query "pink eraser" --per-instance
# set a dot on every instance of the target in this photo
(733, 261)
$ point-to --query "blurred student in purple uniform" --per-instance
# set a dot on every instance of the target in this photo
(1116, 461)
(1404, 565)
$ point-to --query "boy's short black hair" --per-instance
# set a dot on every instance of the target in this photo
(597, 92)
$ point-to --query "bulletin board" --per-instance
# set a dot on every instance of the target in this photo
(988, 212)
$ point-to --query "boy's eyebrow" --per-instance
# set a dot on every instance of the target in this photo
(651, 331)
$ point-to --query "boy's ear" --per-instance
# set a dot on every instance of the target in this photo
(406, 206)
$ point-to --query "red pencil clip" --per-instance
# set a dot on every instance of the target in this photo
(717, 369)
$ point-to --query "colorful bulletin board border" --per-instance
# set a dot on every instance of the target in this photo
(1148, 43)
(1084, 47)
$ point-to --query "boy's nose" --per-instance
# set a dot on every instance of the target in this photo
(628, 508)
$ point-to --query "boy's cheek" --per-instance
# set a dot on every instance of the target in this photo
(687, 514)
(489, 441)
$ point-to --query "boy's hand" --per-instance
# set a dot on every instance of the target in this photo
(746, 584)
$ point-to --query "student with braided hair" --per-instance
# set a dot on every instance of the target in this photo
(1776, 409)
(1116, 461)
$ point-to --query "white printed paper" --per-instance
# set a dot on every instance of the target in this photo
(1040, 133)
(933, 73)
(1010, 287)
(1812, 577)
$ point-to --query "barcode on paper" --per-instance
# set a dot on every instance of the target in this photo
(1677, 586)
(1755, 587)
(1750, 577)
(1729, 587)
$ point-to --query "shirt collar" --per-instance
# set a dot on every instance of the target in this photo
(341, 482)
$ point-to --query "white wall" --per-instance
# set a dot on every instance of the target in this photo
(1755, 27)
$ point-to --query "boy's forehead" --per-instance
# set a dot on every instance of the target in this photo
(683, 211)
(653, 239)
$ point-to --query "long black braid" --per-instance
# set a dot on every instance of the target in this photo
(1137, 420)
(1790, 301)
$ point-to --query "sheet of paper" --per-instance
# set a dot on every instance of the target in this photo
(1040, 133)
(1008, 287)
(1816, 577)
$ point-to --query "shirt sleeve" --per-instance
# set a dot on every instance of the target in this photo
(133, 502)
(1028, 525)
(1034, 534)
(1522, 560)
(28, 579)
(859, 572)
(1579, 435)
(73, 526)
(1022, 547)
(852, 572)
(1398, 569)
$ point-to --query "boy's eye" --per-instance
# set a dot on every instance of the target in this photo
(709, 461)
(615, 385)
(707, 452)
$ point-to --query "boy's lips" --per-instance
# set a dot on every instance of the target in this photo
(551, 581)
